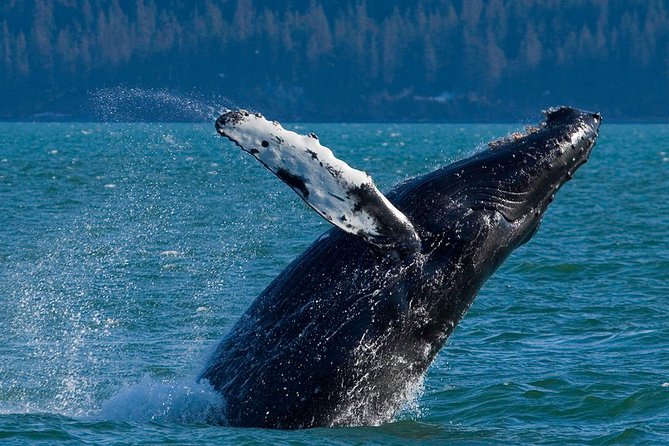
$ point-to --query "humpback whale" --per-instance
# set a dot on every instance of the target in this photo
(343, 335)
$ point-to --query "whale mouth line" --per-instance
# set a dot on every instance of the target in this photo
(502, 205)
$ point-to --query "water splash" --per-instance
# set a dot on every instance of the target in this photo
(124, 104)
(107, 236)
(184, 401)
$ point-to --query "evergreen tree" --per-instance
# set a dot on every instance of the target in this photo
(311, 58)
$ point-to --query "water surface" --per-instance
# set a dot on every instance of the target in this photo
(128, 250)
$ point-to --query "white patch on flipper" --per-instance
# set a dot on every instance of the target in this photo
(344, 196)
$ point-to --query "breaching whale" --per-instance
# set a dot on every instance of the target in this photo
(346, 331)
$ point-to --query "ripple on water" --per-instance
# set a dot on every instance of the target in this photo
(112, 297)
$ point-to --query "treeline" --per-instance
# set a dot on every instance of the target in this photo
(345, 60)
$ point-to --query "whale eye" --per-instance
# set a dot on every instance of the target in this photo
(264, 144)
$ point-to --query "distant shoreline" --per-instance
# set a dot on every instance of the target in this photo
(622, 121)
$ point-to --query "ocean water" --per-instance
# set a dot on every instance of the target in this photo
(128, 250)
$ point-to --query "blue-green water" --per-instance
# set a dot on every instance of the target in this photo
(127, 251)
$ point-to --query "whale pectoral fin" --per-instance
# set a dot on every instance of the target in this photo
(344, 196)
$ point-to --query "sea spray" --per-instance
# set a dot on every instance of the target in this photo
(182, 401)
(124, 104)
(97, 210)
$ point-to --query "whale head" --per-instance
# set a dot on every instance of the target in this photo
(528, 170)
(498, 197)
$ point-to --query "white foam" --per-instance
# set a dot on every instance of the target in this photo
(184, 401)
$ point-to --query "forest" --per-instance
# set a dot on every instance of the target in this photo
(350, 60)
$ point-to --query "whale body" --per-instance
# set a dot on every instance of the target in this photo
(345, 333)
